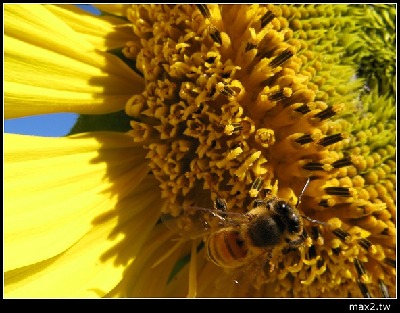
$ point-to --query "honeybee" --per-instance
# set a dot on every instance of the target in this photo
(234, 239)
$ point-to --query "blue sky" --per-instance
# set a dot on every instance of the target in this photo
(53, 125)
(49, 125)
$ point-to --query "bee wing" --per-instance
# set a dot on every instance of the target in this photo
(195, 222)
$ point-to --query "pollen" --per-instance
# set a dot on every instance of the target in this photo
(244, 98)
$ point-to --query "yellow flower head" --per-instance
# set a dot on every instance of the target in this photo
(242, 98)
(273, 152)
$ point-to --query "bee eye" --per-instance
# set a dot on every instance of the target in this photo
(283, 207)
(294, 224)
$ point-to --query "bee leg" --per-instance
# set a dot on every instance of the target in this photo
(269, 265)
(314, 221)
(295, 243)
(220, 205)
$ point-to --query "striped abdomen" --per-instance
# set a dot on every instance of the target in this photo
(226, 248)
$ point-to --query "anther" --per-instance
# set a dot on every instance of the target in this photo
(210, 60)
(320, 263)
(337, 250)
(325, 114)
(215, 34)
(227, 91)
(312, 252)
(256, 186)
(384, 232)
(383, 288)
(212, 91)
(390, 262)
(324, 203)
(342, 162)
(303, 109)
(364, 290)
(204, 10)
(315, 232)
(265, 54)
(342, 235)
(360, 268)
(330, 140)
(306, 138)
(267, 18)
(365, 243)
(338, 191)
(249, 46)
(281, 58)
(277, 96)
(232, 128)
(313, 166)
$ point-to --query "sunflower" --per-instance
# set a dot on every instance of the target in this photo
(195, 106)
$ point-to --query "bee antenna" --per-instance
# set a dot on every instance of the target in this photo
(314, 221)
(302, 191)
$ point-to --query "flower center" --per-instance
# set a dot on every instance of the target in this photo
(240, 99)
(225, 103)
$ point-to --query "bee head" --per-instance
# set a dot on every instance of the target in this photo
(291, 219)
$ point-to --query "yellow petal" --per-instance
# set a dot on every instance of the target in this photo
(49, 67)
(93, 28)
(56, 187)
(142, 279)
(97, 262)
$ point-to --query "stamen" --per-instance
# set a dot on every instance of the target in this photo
(390, 262)
(312, 252)
(346, 161)
(384, 232)
(320, 263)
(338, 191)
(330, 140)
(204, 10)
(255, 187)
(265, 137)
(282, 58)
(225, 90)
(215, 34)
(384, 289)
(267, 18)
(365, 243)
(364, 289)
(313, 166)
(337, 250)
(360, 268)
(315, 233)
(210, 60)
(306, 138)
(325, 114)
(250, 46)
(265, 54)
(324, 203)
(303, 109)
(342, 235)
(233, 128)
(277, 96)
